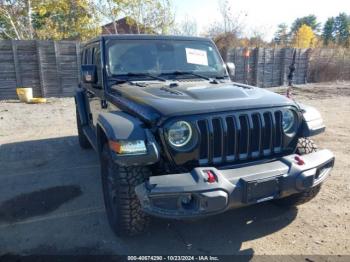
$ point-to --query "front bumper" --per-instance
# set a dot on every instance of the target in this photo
(190, 195)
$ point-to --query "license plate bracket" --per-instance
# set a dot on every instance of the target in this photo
(260, 190)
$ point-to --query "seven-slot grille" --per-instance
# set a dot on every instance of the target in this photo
(240, 136)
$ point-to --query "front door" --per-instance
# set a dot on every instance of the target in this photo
(94, 91)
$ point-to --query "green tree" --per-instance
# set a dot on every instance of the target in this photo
(281, 35)
(329, 31)
(309, 20)
(65, 19)
(342, 26)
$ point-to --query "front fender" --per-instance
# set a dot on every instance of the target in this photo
(80, 102)
(312, 121)
(121, 126)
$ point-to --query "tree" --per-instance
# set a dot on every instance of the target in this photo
(16, 19)
(342, 26)
(304, 37)
(281, 35)
(154, 16)
(226, 41)
(329, 31)
(229, 24)
(109, 10)
(188, 26)
(309, 20)
(257, 37)
(226, 31)
(65, 19)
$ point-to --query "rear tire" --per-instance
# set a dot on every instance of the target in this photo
(83, 141)
(123, 208)
(305, 146)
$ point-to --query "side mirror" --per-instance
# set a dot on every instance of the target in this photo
(231, 69)
(89, 74)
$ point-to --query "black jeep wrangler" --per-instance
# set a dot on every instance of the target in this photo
(178, 139)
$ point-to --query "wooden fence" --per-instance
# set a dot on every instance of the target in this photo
(52, 68)
(267, 67)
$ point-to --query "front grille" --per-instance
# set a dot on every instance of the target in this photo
(239, 136)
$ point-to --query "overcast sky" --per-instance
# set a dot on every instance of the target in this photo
(262, 15)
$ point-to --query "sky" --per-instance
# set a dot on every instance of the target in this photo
(263, 15)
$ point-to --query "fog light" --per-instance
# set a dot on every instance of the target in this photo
(124, 147)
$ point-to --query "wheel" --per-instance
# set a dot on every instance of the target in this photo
(83, 141)
(305, 146)
(123, 208)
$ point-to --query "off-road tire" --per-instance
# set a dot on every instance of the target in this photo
(123, 208)
(305, 146)
(83, 141)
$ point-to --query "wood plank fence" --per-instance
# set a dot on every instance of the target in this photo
(52, 68)
(267, 67)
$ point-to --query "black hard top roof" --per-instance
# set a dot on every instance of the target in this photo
(147, 37)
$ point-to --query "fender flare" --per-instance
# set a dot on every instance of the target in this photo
(80, 102)
(312, 121)
(122, 126)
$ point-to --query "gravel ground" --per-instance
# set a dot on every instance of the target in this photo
(51, 200)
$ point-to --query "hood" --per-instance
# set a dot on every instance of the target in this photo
(168, 99)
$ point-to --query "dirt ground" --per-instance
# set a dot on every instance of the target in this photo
(51, 200)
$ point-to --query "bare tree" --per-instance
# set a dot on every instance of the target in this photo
(230, 23)
(15, 19)
(188, 26)
(109, 10)
(257, 37)
(227, 30)
(150, 16)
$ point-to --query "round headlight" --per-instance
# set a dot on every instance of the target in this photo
(288, 121)
(179, 133)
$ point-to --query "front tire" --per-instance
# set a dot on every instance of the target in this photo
(123, 208)
(305, 146)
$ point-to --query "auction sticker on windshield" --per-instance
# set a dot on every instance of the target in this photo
(196, 56)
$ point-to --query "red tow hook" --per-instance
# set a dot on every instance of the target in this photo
(299, 160)
(211, 178)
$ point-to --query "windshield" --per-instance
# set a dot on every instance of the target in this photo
(162, 57)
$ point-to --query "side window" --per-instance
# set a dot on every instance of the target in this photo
(84, 59)
(89, 56)
(96, 60)
(92, 53)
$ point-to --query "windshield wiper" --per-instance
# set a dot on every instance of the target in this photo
(221, 77)
(145, 74)
(188, 73)
(118, 81)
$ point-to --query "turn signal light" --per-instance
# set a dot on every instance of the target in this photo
(128, 147)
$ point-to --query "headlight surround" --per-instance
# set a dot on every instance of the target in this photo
(179, 134)
(289, 121)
